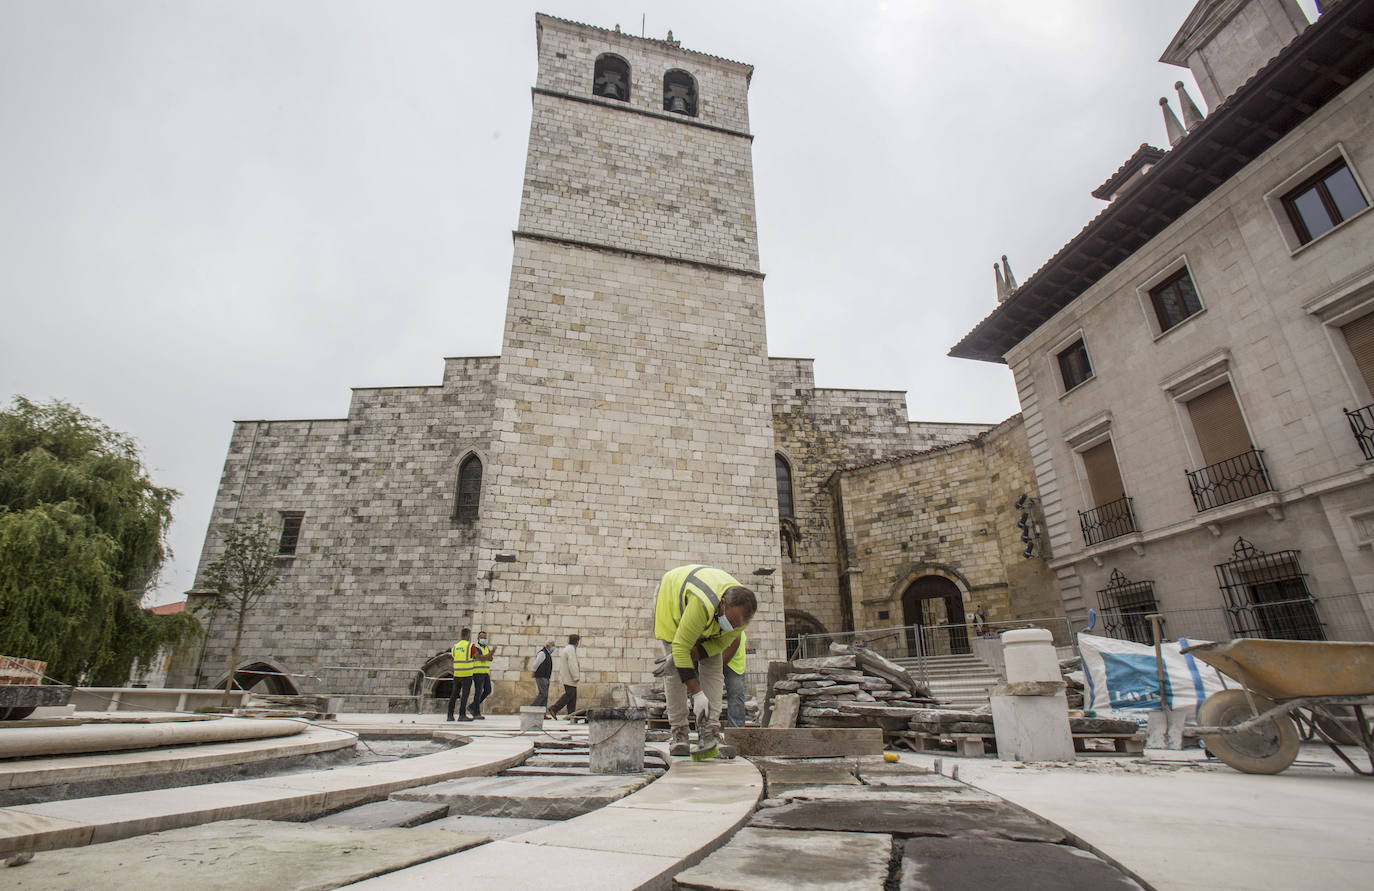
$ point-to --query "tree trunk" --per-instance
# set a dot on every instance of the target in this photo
(233, 662)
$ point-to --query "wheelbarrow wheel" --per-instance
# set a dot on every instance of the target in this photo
(1267, 748)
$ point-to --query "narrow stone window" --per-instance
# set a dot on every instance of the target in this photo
(611, 78)
(1324, 201)
(290, 534)
(680, 93)
(1074, 365)
(469, 488)
(784, 476)
(1174, 300)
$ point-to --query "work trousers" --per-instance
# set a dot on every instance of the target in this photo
(569, 698)
(459, 693)
(481, 689)
(734, 698)
(543, 698)
(709, 674)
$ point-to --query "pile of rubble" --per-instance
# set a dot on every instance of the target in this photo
(310, 708)
(854, 687)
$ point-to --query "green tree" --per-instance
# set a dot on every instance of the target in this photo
(83, 535)
(242, 575)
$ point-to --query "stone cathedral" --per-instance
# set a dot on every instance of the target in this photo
(633, 422)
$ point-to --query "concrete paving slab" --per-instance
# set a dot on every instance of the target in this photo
(300, 797)
(492, 827)
(386, 815)
(888, 794)
(512, 864)
(705, 786)
(1179, 826)
(640, 830)
(781, 860)
(975, 864)
(907, 818)
(238, 855)
(540, 797)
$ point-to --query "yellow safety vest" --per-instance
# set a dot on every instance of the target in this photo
(462, 659)
(480, 666)
(676, 588)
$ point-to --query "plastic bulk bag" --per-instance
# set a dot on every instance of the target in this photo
(1122, 675)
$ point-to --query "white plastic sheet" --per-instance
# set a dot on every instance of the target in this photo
(1122, 675)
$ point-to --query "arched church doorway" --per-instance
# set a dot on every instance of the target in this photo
(438, 676)
(933, 608)
(265, 678)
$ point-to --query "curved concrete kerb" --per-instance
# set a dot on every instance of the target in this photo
(32, 742)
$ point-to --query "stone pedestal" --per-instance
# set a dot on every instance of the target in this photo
(616, 738)
(1031, 728)
(531, 718)
(1029, 655)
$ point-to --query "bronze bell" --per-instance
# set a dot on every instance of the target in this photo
(610, 86)
(677, 104)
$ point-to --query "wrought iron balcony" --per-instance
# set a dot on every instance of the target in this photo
(1362, 425)
(1107, 521)
(1229, 480)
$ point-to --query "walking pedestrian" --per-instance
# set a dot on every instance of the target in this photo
(481, 674)
(543, 670)
(569, 675)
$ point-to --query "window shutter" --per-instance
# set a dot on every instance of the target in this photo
(1218, 425)
(1359, 336)
(1104, 477)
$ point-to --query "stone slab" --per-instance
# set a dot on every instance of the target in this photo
(805, 742)
(928, 793)
(910, 819)
(780, 778)
(20, 831)
(386, 815)
(238, 855)
(493, 827)
(641, 830)
(782, 860)
(510, 864)
(974, 864)
(29, 742)
(538, 797)
(785, 708)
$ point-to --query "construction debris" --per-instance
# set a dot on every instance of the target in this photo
(852, 688)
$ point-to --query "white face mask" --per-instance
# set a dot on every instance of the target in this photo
(482, 641)
(725, 625)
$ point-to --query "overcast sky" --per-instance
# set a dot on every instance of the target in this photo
(213, 211)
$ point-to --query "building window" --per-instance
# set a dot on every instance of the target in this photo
(1324, 201)
(784, 476)
(290, 534)
(680, 93)
(1112, 514)
(1266, 595)
(1175, 299)
(469, 488)
(1234, 467)
(611, 78)
(1074, 366)
(1125, 605)
(1359, 338)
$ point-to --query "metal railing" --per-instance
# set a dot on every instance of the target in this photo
(1362, 425)
(1107, 521)
(1230, 480)
(1339, 617)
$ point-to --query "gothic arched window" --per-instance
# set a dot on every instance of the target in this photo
(784, 474)
(611, 78)
(469, 488)
(680, 93)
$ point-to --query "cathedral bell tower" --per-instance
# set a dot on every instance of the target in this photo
(633, 405)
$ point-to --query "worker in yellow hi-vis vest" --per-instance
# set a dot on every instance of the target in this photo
(698, 612)
(481, 674)
(463, 666)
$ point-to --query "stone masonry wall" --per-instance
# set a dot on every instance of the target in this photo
(948, 512)
(383, 572)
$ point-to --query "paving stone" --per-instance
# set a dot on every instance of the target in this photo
(780, 860)
(492, 827)
(929, 793)
(386, 815)
(238, 855)
(910, 818)
(536, 797)
(825, 662)
(785, 709)
(780, 779)
(974, 864)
